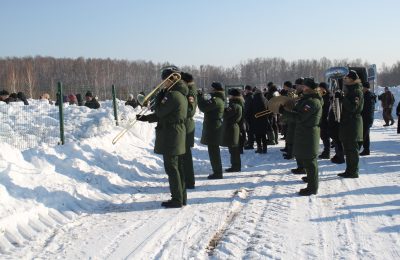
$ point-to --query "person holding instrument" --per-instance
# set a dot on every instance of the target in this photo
(170, 112)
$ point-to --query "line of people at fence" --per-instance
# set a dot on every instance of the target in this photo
(72, 99)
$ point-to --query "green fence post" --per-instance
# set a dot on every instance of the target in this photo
(115, 105)
(61, 111)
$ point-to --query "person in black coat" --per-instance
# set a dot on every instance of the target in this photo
(248, 115)
(368, 116)
(324, 121)
(91, 102)
(131, 101)
(260, 124)
(21, 96)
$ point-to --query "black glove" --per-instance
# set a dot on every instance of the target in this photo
(281, 109)
(160, 97)
(142, 118)
(338, 95)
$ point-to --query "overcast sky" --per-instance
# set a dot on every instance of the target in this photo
(194, 32)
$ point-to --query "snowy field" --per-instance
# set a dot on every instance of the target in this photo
(89, 199)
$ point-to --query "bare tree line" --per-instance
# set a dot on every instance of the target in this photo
(37, 75)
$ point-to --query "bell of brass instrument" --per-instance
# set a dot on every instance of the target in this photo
(335, 77)
(148, 101)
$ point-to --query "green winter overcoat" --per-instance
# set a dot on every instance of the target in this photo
(351, 124)
(192, 105)
(230, 125)
(170, 115)
(213, 110)
(307, 114)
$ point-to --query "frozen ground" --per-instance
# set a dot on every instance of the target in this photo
(89, 199)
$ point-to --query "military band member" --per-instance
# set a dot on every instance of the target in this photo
(231, 128)
(307, 114)
(351, 124)
(190, 127)
(170, 112)
(324, 126)
(213, 109)
(261, 124)
(249, 117)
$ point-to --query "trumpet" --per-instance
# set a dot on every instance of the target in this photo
(149, 101)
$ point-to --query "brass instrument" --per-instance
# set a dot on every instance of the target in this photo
(148, 102)
(275, 102)
(335, 77)
(262, 113)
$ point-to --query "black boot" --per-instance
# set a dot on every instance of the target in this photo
(232, 170)
(214, 176)
(337, 160)
(298, 170)
(287, 156)
(364, 152)
(304, 179)
(324, 155)
(259, 150)
(307, 192)
(171, 204)
(264, 150)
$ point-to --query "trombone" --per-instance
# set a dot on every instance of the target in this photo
(262, 113)
(149, 102)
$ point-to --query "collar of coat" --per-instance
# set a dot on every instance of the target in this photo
(181, 87)
(219, 94)
(237, 100)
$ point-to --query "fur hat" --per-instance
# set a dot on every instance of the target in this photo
(309, 82)
(323, 85)
(234, 92)
(248, 87)
(288, 84)
(217, 86)
(88, 94)
(299, 81)
(168, 71)
(352, 75)
(366, 84)
(187, 77)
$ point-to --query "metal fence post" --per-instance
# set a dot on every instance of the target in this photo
(61, 111)
(115, 105)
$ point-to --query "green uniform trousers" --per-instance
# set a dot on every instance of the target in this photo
(188, 167)
(351, 150)
(173, 165)
(311, 168)
(215, 159)
(235, 157)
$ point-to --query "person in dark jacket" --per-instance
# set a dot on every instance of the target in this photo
(213, 109)
(12, 98)
(79, 99)
(91, 102)
(187, 158)
(4, 95)
(324, 122)
(21, 96)
(248, 115)
(170, 112)
(307, 113)
(351, 123)
(131, 101)
(367, 116)
(261, 124)
(231, 129)
(387, 100)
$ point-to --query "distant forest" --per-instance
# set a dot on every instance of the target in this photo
(37, 75)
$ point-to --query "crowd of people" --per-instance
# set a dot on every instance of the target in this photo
(72, 99)
(245, 122)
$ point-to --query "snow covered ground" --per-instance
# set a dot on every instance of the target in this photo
(89, 199)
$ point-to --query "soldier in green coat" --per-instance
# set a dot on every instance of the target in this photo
(170, 112)
(231, 128)
(351, 124)
(307, 113)
(190, 127)
(213, 109)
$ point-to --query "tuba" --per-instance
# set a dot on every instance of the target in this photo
(149, 101)
(335, 77)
